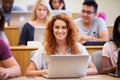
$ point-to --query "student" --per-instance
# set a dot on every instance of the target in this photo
(7, 7)
(60, 39)
(10, 67)
(40, 16)
(110, 50)
(2, 24)
(90, 27)
(57, 4)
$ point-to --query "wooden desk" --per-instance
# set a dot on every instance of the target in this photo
(92, 77)
(92, 49)
(75, 15)
(12, 34)
(110, 29)
(22, 55)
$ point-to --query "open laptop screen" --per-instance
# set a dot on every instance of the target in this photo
(19, 18)
(39, 33)
(63, 66)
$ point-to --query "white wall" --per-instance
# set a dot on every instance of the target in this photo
(110, 7)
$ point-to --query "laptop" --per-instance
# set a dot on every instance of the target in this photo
(56, 12)
(19, 18)
(70, 66)
(39, 33)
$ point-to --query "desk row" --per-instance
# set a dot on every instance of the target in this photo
(22, 54)
(13, 34)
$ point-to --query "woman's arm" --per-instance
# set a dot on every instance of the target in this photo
(91, 69)
(107, 66)
(33, 71)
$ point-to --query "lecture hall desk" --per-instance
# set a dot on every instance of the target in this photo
(92, 77)
(13, 34)
(22, 54)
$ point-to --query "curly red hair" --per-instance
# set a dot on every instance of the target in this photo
(50, 42)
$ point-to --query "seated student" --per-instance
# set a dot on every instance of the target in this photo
(57, 4)
(110, 50)
(40, 16)
(10, 67)
(61, 41)
(2, 24)
(90, 27)
(7, 7)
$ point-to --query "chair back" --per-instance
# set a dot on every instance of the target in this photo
(97, 59)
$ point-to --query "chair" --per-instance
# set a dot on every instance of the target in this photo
(97, 58)
(32, 53)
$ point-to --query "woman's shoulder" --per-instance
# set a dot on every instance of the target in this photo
(110, 44)
(80, 46)
(28, 26)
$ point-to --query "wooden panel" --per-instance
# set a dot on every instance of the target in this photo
(75, 15)
(110, 29)
(22, 56)
(12, 34)
(92, 49)
(89, 77)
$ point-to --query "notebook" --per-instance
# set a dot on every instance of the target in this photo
(39, 33)
(55, 12)
(18, 18)
(61, 66)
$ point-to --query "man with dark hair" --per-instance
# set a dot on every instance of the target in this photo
(90, 27)
(7, 7)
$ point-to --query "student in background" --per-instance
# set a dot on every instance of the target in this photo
(57, 4)
(40, 16)
(60, 39)
(100, 14)
(7, 7)
(90, 27)
(2, 24)
(10, 67)
(110, 50)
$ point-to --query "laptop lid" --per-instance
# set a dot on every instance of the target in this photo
(19, 18)
(39, 33)
(56, 12)
(61, 66)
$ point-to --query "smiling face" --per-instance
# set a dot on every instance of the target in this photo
(41, 12)
(87, 14)
(60, 30)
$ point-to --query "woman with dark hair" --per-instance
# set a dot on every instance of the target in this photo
(57, 4)
(110, 50)
(2, 24)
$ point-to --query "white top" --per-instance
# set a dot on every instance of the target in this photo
(41, 60)
(94, 30)
(4, 37)
(110, 50)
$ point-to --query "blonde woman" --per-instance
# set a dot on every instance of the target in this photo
(40, 16)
